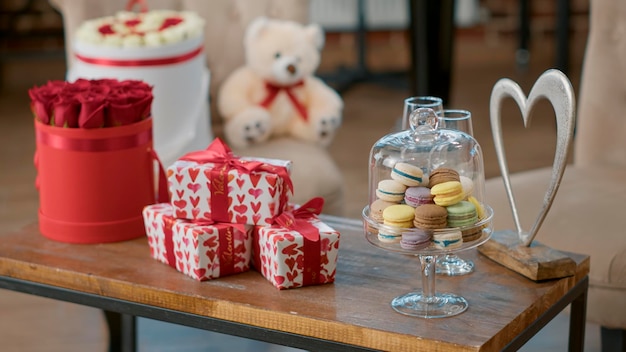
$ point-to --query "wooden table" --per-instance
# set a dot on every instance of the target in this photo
(505, 309)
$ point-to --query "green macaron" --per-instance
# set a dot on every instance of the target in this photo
(462, 214)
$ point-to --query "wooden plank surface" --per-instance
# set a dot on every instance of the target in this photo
(354, 310)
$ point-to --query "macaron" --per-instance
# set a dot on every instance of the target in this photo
(462, 214)
(416, 196)
(415, 239)
(390, 190)
(376, 209)
(480, 211)
(399, 215)
(467, 184)
(441, 175)
(448, 239)
(407, 174)
(447, 193)
(430, 216)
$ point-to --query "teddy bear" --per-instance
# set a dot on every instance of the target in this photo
(276, 93)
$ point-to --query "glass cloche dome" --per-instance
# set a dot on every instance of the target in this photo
(439, 173)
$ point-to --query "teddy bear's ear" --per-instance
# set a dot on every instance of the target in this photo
(315, 34)
(254, 28)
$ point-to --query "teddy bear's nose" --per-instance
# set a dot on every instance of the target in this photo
(291, 69)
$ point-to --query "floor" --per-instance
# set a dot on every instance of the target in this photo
(372, 110)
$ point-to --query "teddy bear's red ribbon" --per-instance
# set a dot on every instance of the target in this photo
(272, 93)
(298, 220)
(220, 154)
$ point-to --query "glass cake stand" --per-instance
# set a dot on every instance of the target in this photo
(428, 303)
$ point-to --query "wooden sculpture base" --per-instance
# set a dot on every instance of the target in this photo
(537, 262)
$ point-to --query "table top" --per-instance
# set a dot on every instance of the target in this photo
(353, 310)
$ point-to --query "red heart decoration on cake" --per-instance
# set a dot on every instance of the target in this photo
(194, 201)
(256, 206)
(193, 173)
(194, 187)
(255, 192)
(241, 208)
(181, 203)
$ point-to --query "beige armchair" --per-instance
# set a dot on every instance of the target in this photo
(226, 21)
(588, 214)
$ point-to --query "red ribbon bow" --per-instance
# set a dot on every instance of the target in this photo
(273, 90)
(298, 219)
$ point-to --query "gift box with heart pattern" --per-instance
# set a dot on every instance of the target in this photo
(201, 251)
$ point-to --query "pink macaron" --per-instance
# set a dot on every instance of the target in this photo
(416, 196)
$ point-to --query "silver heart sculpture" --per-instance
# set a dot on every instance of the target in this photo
(556, 87)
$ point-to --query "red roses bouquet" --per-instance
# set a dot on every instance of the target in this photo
(91, 103)
(94, 182)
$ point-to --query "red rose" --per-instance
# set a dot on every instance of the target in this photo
(91, 103)
(41, 99)
(129, 106)
(92, 109)
(65, 110)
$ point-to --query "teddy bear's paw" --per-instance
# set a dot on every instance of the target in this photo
(248, 128)
(327, 128)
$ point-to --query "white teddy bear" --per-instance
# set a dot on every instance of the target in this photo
(276, 93)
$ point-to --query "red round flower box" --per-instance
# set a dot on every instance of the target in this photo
(94, 183)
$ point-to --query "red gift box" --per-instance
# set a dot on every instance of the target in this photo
(215, 185)
(201, 251)
(298, 250)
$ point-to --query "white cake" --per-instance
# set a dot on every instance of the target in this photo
(164, 49)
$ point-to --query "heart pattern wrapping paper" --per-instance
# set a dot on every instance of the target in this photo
(289, 260)
(201, 251)
(252, 198)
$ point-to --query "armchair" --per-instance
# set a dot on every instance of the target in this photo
(587, 215)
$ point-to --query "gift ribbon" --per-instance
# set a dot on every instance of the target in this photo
(272, 93)
(298, 220)
(140, 62)
(168, 241)
(220, 154)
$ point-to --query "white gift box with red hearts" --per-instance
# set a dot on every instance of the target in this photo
(252, 198)
(202, 252)
(288, 260)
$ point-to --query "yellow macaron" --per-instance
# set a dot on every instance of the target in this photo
(399, 215)
(447, 193)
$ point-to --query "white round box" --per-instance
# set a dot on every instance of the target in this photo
(180, 80)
